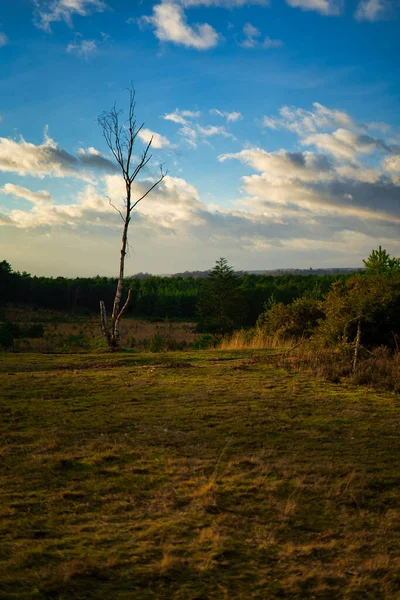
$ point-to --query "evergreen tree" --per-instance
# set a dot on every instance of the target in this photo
(219, 305)
(379, 262)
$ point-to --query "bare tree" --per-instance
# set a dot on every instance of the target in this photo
(120, 137)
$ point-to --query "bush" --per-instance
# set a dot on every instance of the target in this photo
(381, 370)
(204, 343)
(372, 300)
(292, 320)
(157, 343)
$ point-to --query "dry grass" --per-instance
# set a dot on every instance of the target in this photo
(71, 333)
(253, 340)
(378, 368)
(130, 477)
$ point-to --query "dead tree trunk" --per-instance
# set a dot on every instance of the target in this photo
(357, 345)
(120, 138)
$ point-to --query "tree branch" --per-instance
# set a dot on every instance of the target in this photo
(115, 208)
(150, 189)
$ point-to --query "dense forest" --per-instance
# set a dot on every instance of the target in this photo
(155, 297)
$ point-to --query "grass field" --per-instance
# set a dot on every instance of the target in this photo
(65, 332)
(194, 476)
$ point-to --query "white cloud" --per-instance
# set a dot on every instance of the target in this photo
(90, 209)
(391, 164)
(192, 132)
(282, 165)
(270, 43)
(371, 10)
(303, 122)
(83, 48)
(324, 7)
(230, 117)
(25, 158)
(170, 25)
(173, 201)
(252, 39)
(306, 184)
(3, 39)
(382, 127)
(181, 117)
(159, 141)
(39, 197)
(252, 35)
(223, 3)
(342, 177)
(270, 123)
(345, 144)
(189, 135)
(212, 130)
(51, 11)
(48, 159)
(93, 159)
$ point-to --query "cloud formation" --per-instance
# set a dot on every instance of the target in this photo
(324, 7)
(253, 39)
(340, 195)
(371, 10)
(83, 48)
(3, 39)
(170, 25)
(181, 117)
(48, 159)
(345, 144)
(159, 141)
(230, 117)
(18, 191)
(212, 130)
(302, 122)
(91, 158)
(52, 11)
(191, 131)
(223, 3)
(350, 173)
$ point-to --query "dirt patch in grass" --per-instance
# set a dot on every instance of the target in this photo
(135, 476)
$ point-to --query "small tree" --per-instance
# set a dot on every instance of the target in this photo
(379, 262)
(363, 310)
(120, 138)
(219, 305)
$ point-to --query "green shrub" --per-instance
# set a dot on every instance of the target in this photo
(374, 300)
(206, 341)
(291, 320)
(157, 343)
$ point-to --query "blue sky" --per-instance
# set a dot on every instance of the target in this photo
(278, 122)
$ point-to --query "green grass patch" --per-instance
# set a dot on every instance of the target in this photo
(194, 476)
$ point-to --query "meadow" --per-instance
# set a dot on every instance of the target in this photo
(63, 332)
(192, 476)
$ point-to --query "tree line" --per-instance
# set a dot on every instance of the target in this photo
(162, 298)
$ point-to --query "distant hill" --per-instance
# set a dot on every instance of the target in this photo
(273, 272)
